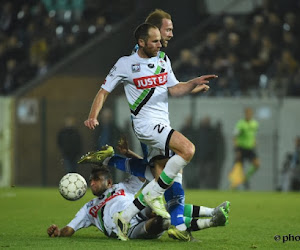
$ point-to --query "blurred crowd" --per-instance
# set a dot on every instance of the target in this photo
(207, 164)
(36, 34)
(257, 54)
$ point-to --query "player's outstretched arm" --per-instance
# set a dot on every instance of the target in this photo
(97, 105)
(184, 88)
(54, 231)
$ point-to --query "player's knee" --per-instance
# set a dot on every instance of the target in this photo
(157, 225)
(189, 152)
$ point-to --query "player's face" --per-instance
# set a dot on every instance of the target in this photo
(99, 184)
(166, 31)
(153, 44)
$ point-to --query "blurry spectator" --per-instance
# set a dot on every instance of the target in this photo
(273, 27)
(189, 66)
(258, 25)
(206, 154)
(69, 142)
(285, 68)
(264, 57)
(107, 131)
(295, 166)
(220, 153)
(228, 67)
(290, 173)
(10, 80)
(229, 26)
(291, 24)
(2, 66)
(290, 43)
(38, 49)
(7, 18)
(294, 86)
(209, 50)
(188, 128)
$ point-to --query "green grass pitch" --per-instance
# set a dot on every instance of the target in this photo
(255, 218)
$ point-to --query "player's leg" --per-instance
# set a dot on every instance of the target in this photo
(255, 164)
(152, 192)
(97, 157)
(220, 218)
(106, 156)
(152, 228)
(174, 195)
(159, 138)
(194, 211)
(184, 151)
(175, 199)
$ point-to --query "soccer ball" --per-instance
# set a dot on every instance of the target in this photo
(72, 186)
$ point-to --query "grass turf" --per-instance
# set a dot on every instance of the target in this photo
(255, 218)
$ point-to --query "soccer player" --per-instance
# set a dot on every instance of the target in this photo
(175, 194)
(148, 78)
(137, 166)
(112, 198)
(245, 145)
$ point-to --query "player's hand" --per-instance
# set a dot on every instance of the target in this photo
(123, 145)
(205, 79)
(200, 88)
(53, 231)
(91, 123)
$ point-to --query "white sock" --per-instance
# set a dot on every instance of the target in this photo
(178, 178)
(149, 187)
(181, 227)
(129, 212)
(204, 223)
(174, 165)
(171, 170)
(205, 211)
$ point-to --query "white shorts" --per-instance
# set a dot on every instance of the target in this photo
(156, 135)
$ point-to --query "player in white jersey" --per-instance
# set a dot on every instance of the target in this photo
(174, 195)
(112, 198)
(148, 78)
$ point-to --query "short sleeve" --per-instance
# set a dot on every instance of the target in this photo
(116, 75)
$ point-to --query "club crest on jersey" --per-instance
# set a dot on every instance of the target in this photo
(161, 63)
(135, 68)
(148, 82)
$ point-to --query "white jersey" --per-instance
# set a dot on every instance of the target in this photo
(146, 82)
(99, 211)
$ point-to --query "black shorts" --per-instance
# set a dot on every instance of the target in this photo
(246, 154)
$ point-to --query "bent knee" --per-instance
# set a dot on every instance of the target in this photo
(189, 152)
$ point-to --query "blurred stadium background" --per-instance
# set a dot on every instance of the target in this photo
(55, 54)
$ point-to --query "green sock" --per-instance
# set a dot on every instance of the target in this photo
(187, 221)
(250, 172)
(188, 210)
